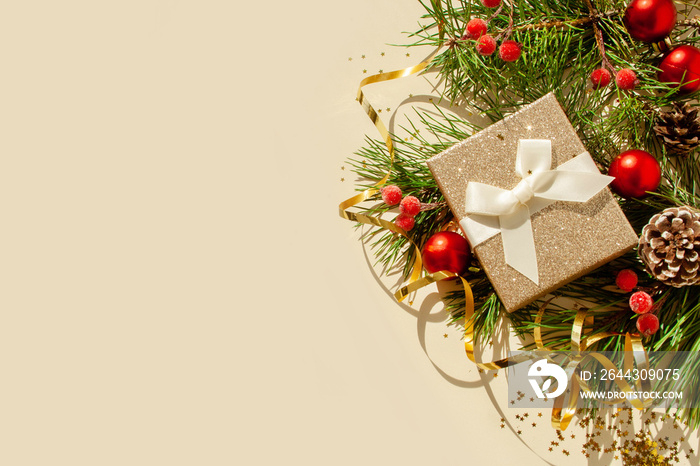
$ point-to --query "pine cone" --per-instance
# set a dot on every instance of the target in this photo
(669, 246)
(679, 129)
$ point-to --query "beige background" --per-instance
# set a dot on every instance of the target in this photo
(177, 288)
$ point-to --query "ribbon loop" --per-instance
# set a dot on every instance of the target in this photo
(576, 180)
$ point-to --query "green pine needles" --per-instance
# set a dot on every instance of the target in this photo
(562, 43)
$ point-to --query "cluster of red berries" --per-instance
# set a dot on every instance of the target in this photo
(409, 206)
(640, 302)
(624, 79)
(477, 30)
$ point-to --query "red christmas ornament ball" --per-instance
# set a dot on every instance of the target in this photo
(650, 20)
(491, 3)
(447, 250)
(681, 67)
(647, 324)
(635, 173)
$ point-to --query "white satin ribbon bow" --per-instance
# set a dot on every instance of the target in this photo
(492, 210)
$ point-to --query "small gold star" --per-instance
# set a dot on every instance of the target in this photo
(382, 54)
(520, 432)
(531, 399)
(551, 449)
(529, 172)
(573, 436)
(381, 71)
(495, 375)
(350, 59)
(503, 426)
(364, 71)
(343, 167)
(526, 415)
(408, 54)
(342, 179)
(445, 335)
(410, 96)
(539, 414)
(388, 109)
(363, 56)
(500, 136)
(512, 402)
(379, 111)
(534, 424)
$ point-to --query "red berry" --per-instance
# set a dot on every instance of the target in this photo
(600, 78)
(391, 195)
(405, 221)
(509, 50)
(641, 302)
(626, 79)
(491, 3)
(476, 28)
(486, 45)
(410, 205)
(647, 324)
(626, 280)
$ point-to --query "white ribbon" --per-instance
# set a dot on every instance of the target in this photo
(493, 210)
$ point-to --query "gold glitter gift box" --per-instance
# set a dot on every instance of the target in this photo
(571, 239)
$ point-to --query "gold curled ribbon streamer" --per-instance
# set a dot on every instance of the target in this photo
(417, 265)
(562, 415)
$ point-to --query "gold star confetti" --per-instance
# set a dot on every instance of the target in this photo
(534, 424)
(342, 179)
(503, 426)
(381, 71)
(531, 399)
(445, 335)
(512, 402)
(364, 71)
(539, 414)
(495, 375)
(573, 436)
(350, 59)
(410, 96)
(408, 54)
(551, 449)
(520, 432)
(388, 109)
(481, 371)
(382, 54)
(343, 167)
(363, 56)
